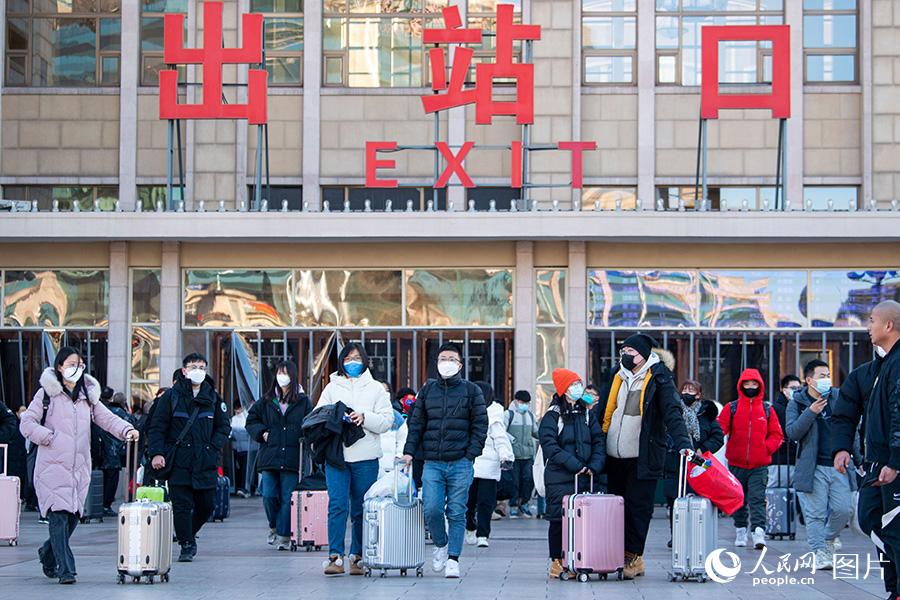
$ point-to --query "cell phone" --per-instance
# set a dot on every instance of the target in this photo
(346, 418)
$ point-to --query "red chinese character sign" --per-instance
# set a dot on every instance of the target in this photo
(778, 101)
(212, 56)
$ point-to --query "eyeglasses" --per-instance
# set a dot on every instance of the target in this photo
(195, 368)
(75, 365)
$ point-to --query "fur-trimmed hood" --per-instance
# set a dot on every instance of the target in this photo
(666, 358)
(53, 387)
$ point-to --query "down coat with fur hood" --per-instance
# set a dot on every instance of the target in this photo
(62, 473)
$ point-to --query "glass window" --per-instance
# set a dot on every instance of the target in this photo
(64, 298)
(609, 47)
(830, 198)
(482, 197)
(459, 297)
(276, 195)
(830, 41)
(604, 198)
(283, 33)
(550, 292)
(401, 198)
(678, 41)
(846, 298)
(145, 355)
(63, 44)
(152, 14)
(145, 290)
(482, 14)
(377, 44)
(237, 298)
(348, 298)
(734, 198)
(753, 299)
(66, 198)
(642, 299)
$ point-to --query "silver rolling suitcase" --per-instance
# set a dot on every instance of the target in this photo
(694, 530)
(145, 536)
(394, 532)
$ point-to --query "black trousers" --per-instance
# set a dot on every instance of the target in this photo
(554, 539)
(638, 495)
(523, 480)
(56, 551)
(240, 471)
(190, 510)
(874, 503)
(110, 486)
(482, 499)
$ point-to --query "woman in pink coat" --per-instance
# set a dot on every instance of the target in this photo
(62, 473)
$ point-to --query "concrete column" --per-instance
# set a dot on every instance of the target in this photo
(646, 78)
(524, 298)
(865, 80)
(793, 179)
(118, 349)
(312, 85)
(242, 128)
(128, 101)
(169, 312)
(2, 76)
(576, 308)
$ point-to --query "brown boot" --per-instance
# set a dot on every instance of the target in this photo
(634, 566)
(556, 568)
(335, 565)
(355, 565)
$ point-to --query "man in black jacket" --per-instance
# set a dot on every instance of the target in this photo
(872, 393)
(9, 434)
(450, 424)
(641, 408)
(189, 427)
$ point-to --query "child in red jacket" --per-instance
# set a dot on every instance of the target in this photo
(754, 435)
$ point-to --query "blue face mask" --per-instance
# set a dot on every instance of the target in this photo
(587, 399)
(823, 386)
(522, 408)
(353, 368)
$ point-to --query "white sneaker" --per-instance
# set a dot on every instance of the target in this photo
(270, 539)
(835, 545)
(439, 559)
(452, 570)
(759, 538)
(483, 542)
(740, 537)
(824, 561)
(470, 537)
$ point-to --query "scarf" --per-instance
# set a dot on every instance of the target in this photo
(690, 417)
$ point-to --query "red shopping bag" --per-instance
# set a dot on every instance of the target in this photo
(718, 484)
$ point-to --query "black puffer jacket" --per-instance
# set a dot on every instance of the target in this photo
(282, 450)
(112, 448)
(197, 458)
(580, 444)
(787, 452)
(10, 435)
(711, 436)
(449, 422)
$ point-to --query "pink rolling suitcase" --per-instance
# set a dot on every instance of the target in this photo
(309, 520)
(593, 534)
(9, 503)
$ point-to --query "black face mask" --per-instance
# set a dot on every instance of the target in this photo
(689, 398)
(750, 393)
(628, 361)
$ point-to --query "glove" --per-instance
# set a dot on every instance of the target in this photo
(506, 465)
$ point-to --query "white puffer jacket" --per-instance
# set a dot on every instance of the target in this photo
(362, 394)
(392, 442)
(497, 447)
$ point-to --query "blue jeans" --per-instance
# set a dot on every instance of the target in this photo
(828, 508)
(445, 489)
(277, 487)
(346, 491)
(56, 551)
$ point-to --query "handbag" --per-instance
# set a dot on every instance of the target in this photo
(716, 483)
(166, 471)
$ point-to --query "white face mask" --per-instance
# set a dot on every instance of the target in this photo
(73, 374)
(282, 379)
(197, 376)
(880, 351)
(448, 368)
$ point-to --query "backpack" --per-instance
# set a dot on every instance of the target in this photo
(767, 407)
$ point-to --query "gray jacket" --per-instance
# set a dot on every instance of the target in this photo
(802, 428)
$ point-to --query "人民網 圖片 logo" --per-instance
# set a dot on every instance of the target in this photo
(720, 572)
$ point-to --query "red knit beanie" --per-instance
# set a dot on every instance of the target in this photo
(562, 379)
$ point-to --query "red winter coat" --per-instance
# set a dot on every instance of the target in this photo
(751, 440)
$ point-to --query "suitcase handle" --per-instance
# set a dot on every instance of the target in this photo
(132, 460)
(410, 494)
(684, 457)
(591, 474)
(5, 448)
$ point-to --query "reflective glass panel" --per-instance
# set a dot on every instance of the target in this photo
(145, 288)
(608, 69)
(237, 298)
(348, 298)
(642, 298)
(829, 31)
(145, 353)
(827, 67)
(551, 351)
(550, 292)
(64, 52)
(56, 298)
(465, 297)
(752, 299)
(846, 298)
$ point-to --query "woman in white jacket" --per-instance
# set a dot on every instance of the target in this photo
(497, 453)
(370, 404)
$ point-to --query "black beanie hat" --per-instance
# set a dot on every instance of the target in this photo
(641, 342)
(522, 396)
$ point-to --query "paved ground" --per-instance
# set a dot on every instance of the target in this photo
(235, 562)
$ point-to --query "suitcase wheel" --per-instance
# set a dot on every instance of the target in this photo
(792, 536)
(293, 547)
(672, 577)
(402, 572)
(13, 542)
(419, 572)
(135, 580)
(619, 575)
(564, 576)
(604, 576)
(701, 578)
(318, 548)
(367, 572)
(383, 574)
(120, 579)
(583, 577)
(164, 578)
